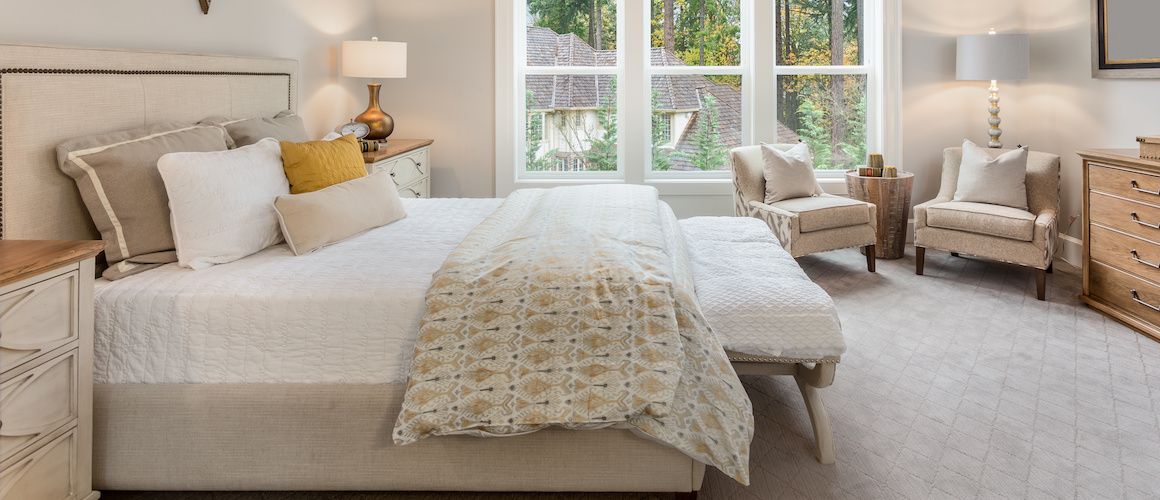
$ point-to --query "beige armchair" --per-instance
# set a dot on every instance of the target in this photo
(1023, 237)
(803, 225)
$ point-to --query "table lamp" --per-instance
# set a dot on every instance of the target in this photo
(993, 57)
(375, 59)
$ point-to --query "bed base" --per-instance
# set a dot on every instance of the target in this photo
(810, 377)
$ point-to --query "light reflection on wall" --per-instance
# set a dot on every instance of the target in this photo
(333, 17)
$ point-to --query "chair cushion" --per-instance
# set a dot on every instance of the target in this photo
(982, 218)
(818, 213)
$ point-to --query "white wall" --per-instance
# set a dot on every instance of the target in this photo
(310, 31)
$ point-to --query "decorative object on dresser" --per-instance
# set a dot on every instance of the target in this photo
(1121, 237)
(407, 161)
(1149, 146)
(375, 59)
(1025, 237)
(891, 194)
(993, 57)
(804, 225)
(46, 358)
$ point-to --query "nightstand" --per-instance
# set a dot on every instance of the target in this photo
(46, 369)
(408, 162)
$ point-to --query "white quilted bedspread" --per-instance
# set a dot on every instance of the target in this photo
(349, 313)
(755, 296)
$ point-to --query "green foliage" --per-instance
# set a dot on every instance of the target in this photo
(815, 133)
(575, 16)
(535, 137)
(660, 157)
(601, 154)
(710, 153)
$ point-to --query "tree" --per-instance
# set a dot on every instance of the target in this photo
(660, 157)
(534, 139)
(815, 133)
(710, 153)
(584, 18)
(601, 154)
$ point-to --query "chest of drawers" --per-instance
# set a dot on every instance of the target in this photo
(409, 163)
(1121, 233)
(46, 349)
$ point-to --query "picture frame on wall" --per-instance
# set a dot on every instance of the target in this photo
(1125, 39)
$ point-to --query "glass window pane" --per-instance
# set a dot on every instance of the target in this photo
(829, 113)
(571, 123)
(571, 33)
(819, 32)
(696, 120)
(696, 32)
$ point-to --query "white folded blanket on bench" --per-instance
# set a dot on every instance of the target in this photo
(754, 295)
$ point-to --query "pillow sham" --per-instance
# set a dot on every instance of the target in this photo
(313, 220)
(788, 174)
(1001, 180)
(221, 203)
(285, 126)
(116, 175)
(314, 165)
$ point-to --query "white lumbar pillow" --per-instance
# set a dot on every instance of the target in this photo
(222, 203)
(789, 174)
(997, 181)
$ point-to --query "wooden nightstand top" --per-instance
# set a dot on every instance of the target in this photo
(20, 259)
(396, 147)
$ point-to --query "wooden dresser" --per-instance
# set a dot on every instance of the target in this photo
(46, 358)
(1121, 237)
(408, 161)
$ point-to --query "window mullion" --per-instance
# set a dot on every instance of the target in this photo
(634, 89)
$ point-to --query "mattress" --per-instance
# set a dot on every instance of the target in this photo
(349, 313)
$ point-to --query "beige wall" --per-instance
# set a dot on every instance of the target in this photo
(449, 92)
(307, 30)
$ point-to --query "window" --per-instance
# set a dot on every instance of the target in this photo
(659, 91)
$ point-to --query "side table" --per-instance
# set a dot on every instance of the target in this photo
(892, 196)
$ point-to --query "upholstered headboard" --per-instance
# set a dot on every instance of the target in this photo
(50, 94)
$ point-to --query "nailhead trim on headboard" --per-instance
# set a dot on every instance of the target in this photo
(47, 71)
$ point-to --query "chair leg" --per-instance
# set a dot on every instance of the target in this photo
(919, 259)
(1041, 284)
(685, 495)
(954, 254)
(869, 258)
(1051, 268)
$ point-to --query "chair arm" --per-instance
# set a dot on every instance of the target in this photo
(771, 209)
(785, 224)
(1046, 233)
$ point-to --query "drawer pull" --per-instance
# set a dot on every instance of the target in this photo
(416, 193)
(1136, 187)
(1136, 297)
(1136, 219)
(1136, 257)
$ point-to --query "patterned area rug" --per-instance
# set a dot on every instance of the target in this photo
(957, 384)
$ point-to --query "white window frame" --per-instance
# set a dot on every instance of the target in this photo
(634, 70)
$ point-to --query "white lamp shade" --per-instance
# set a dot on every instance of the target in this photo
(374, 59)
(993, 57)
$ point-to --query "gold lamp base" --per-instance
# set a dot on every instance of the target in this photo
(380, 123)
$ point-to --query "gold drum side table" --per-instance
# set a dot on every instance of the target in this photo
(892, 196)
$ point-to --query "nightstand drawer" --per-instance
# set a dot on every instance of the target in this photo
(37, 402)
(1128, 253)
(417, 190)
(1136, 296)
(409, 168)
(38, 318)
(1135, 218)
(48, 472)
(1129, 184)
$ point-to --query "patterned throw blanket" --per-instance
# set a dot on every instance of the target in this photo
(574, 307)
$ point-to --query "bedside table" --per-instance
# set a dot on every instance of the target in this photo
(407, 161)
(46, 369)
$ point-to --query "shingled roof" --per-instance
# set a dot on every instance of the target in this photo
(673, 93)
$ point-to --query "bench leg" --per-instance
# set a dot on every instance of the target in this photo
(919, 260)
(869, 257)
(809, 380)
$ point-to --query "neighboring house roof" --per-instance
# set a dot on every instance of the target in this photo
(672, 93)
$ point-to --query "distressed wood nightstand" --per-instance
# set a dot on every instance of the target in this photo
(408, 162)
(46, 360)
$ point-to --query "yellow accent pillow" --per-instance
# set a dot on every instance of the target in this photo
(314, 165)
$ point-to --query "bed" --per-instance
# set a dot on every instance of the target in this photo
(295, 386)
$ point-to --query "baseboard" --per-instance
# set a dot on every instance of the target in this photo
(1070, 250)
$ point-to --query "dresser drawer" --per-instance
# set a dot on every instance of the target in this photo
(1137, 219)
(409, 167)
(38, 318)
(417, 190)
(37, 402)
(1137, 256)
(1126, 183)
(48, 472)
(1134, 295)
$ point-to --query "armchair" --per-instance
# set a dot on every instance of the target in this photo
(803, 225)
(1021, 237)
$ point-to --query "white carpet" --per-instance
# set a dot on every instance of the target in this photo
(957, 384)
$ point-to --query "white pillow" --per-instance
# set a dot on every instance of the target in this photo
(222, 203)
(313, 220)
(997, 181)
(789, 174)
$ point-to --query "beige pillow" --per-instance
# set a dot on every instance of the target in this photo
(116, 174)
(313, 220)
(789, 173)
(998, 180)
(285, 126)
